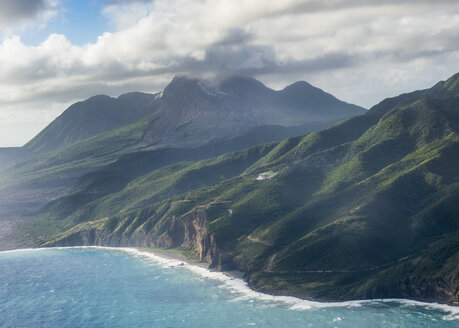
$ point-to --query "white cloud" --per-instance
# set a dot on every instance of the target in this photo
(124, 14)
(361, 51)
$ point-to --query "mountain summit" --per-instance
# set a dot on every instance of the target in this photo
(192, 111)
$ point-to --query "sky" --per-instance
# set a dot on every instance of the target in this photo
(56, 52)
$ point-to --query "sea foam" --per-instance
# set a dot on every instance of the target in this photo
(245, 292)
(294, 303)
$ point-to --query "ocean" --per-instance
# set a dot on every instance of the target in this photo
(106, 287)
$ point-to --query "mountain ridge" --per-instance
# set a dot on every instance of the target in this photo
(182, 95)
(188, 113)
(366, 208)
(90, 117)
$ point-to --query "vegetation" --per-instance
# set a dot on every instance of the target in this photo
(91, 117)
(366, 208)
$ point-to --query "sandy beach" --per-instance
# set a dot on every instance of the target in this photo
(177, 255)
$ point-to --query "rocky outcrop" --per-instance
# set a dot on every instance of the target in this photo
(188, 231)
(420, 288)
(92, 237)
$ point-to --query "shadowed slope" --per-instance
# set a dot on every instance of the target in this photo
(90, 117)
(366, 208)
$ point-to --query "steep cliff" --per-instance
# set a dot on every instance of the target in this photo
(187, 231)
(190, 231)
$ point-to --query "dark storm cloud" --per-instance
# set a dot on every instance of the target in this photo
(312, 6)
(258, 60)
(13, 11)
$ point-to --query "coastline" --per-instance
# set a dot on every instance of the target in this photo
(234, 281)
(178, 255)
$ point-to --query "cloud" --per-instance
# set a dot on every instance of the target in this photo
(17, 12)
(361, 51)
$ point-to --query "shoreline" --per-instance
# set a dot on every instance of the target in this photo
(176, 254)
(235, 282)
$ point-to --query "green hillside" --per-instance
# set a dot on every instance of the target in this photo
(114, 177)
(91, 152)
(366, 208)
(188, 113)
(91, 117)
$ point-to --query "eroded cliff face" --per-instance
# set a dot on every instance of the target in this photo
(190, 231)
(187, 231)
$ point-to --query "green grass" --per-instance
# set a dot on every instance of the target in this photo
(353, 199)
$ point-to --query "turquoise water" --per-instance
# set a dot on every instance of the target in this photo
(89, 287)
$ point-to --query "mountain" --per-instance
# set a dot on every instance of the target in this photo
(117, 175)
(367, 208)
(93, 116)
(192, 111)
(9, 155)
(188, 113)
